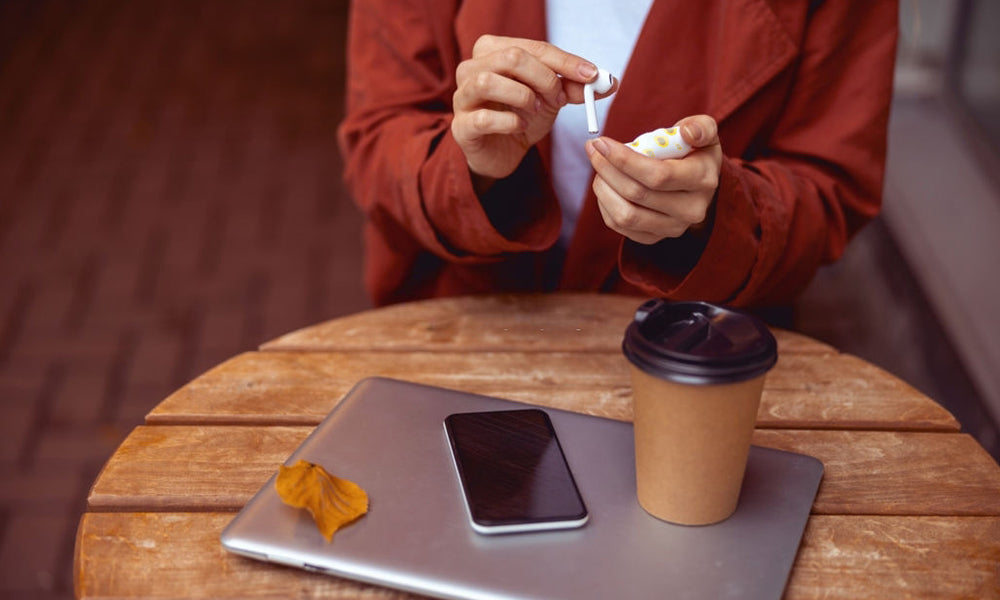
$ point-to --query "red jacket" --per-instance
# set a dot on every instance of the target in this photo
(801, 91)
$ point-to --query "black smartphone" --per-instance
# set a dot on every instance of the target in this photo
(513, 472)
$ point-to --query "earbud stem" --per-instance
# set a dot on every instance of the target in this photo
(603, 84)
(588, 102)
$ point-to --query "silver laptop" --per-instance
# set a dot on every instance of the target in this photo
(387, 436)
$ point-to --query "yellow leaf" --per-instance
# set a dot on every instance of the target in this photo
(332, 501)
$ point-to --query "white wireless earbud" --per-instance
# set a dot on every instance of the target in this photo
(600, 85)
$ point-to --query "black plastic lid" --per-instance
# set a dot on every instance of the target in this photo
(698, 343)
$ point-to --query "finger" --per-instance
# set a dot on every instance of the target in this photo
(575, 71)
(687, 207)
(692, 173)
(488, 86)
(614, 175)
(527, 68)
(701, 131)
(639, 236)
(515, 64)
(634, 221)
(484, 121)
(564, 63)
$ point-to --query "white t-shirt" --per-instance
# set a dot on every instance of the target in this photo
(603, 32)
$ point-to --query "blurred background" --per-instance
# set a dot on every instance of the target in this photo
(170, 196)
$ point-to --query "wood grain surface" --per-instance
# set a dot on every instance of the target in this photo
(908, 507)
(178, 555)
(837, 391)
(524, 323)
(867, 472)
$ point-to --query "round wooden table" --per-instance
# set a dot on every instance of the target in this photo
(909, 506)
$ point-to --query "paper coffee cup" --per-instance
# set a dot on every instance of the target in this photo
(697, 375)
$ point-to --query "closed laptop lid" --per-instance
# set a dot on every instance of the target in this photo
(388, 437)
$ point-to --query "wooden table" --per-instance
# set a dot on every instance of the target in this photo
(908, 507)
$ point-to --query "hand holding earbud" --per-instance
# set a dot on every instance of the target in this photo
(507, 98)
(647, 199)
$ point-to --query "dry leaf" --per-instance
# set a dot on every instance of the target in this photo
(332, 501)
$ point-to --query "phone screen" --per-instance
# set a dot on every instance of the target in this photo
(513, 472)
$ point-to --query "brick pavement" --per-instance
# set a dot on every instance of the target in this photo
(169, 197)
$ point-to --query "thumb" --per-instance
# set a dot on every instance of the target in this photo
(700, 130)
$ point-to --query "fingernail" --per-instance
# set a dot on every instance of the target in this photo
(587, 71)
(561, 99)
(601, 146)
(538, 105)
(693, 131)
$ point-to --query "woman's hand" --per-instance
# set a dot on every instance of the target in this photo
(647, 200)
(508, 96)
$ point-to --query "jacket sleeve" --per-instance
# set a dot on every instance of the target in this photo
(811, 183)
(402, 164)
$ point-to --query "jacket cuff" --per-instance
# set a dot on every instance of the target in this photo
(518, 214)
(725, 261)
